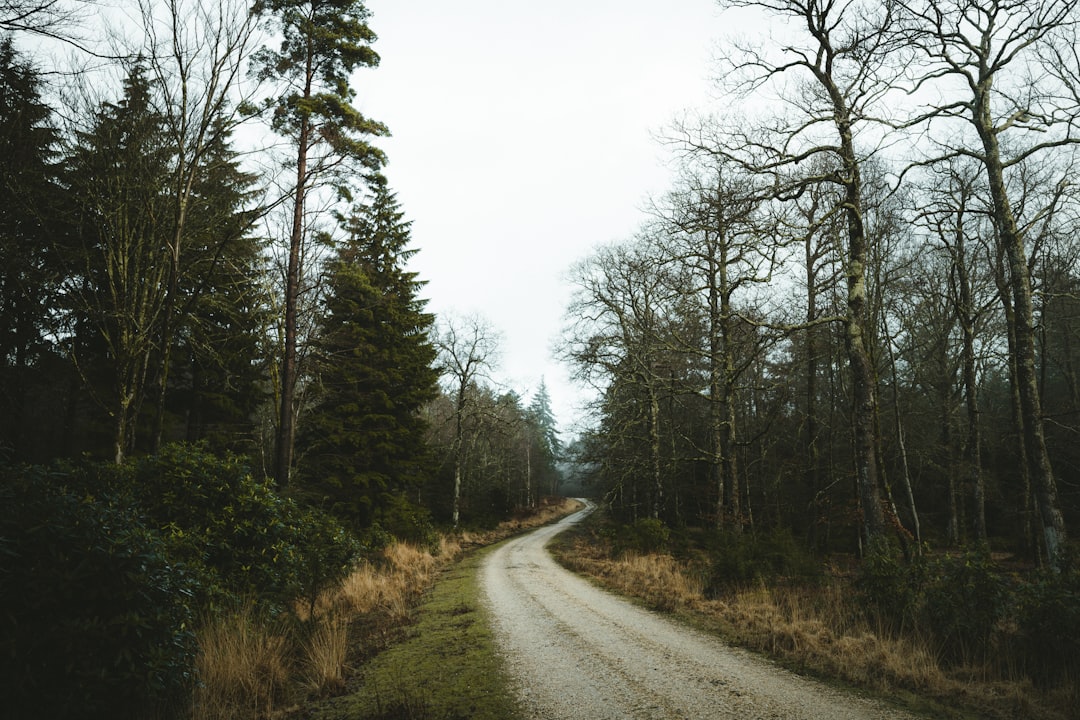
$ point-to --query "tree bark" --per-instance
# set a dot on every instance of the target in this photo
(287, 411)
(1012, 244)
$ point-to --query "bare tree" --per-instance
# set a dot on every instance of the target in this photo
(620, 336)
(467, 349)
(197, 53)
(717, 236)
(830, 68)
(1008, 76)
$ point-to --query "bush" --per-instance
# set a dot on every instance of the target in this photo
(248, 539)
(962, 603)
(891, 587)
(957, 602)
(740, 557)
(329, 553)
(1049, 626)
(102, 569)
(97, 619)
(645, 535)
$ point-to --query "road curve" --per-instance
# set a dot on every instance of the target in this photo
(576, 651)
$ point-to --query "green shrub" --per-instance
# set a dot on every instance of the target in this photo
(890, 586)
(405, 521)
(645, 535)
(962, 603)
(329, 553)
(97, 620)
(736, 558)
(248, 539)
(1049, 624)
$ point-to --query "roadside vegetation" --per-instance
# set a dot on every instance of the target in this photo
(181, 586)
(954, 634)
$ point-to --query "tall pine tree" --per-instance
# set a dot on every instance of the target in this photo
(31, 198)
(362, 448)
(322, 43)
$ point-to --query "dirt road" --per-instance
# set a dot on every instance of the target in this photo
(579, 652)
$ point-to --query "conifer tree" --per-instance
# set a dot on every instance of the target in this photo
(221, 305)
(28, 276)
(362, 448)
(322, 43)
(541, 419)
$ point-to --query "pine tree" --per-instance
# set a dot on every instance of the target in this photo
(362, 448)
(28, 270)
(322, 43)
(546, 440)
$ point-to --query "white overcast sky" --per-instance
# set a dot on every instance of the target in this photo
(523, 136)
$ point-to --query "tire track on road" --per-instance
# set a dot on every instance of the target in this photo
(576, 651)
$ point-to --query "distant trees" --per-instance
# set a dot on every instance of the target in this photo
(466, 353)
(545, 445)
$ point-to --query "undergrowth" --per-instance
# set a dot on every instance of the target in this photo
(328, 656)
(951, 634)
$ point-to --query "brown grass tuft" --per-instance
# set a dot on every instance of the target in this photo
(241, 666)
(655, 578)
(324, 652)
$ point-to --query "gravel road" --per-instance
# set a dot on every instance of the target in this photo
(578, 652)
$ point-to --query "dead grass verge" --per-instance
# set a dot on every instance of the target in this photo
(816, 628)
(242, 665)
(253, 668)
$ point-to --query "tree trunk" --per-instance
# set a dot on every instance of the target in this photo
(1012, 244)
(863, 378)
(654, 452)
(287, 410)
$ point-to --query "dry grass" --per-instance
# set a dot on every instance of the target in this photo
(242, 667)
(548, 509)
(325, 652)
(657, 579)
(817, 627)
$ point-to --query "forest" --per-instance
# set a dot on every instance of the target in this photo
(850, 329)
(857, 317)
(221, 385)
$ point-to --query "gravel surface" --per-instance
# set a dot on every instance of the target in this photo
(576, 651)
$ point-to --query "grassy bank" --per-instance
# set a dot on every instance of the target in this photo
(402, 637)
(443, 667)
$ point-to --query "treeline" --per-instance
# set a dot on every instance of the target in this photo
(220, 381)
(855, 316)
(156, 289)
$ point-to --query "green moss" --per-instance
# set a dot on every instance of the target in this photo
(445, 669)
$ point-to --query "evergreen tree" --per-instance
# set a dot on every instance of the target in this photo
(221, 309)
(362, 448)
(322, 43)
(545, 440)
(28, 270)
